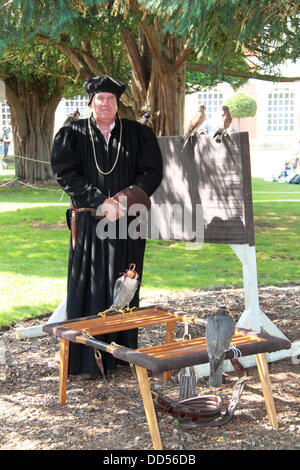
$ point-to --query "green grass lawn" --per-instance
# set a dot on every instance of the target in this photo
(35, 239)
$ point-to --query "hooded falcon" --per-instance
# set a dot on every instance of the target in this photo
(125, 288)
(219, 333)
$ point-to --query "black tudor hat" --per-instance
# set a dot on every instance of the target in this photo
(103, 83)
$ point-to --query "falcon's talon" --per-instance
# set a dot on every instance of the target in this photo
(103, 314)
(121, 311)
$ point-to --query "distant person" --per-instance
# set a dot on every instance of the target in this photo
(294, 163)
(6, 140)
(3, 164)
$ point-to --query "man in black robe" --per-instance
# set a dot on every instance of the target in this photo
(94, 159)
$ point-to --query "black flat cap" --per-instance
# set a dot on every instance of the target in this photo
(103, 83)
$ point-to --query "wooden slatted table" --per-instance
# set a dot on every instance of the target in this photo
(161, 359)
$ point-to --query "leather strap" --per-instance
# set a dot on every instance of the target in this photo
(203, 410)
(74, 211)
(197, 411)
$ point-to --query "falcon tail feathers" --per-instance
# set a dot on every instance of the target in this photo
(216, 371)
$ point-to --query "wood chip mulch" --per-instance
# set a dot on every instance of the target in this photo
(97, 417)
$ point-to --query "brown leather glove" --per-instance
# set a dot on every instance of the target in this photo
(113, 208)
(134, 195)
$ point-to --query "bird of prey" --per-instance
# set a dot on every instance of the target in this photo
(145, 118)
(124, 290)
(219, 333)
(195, 123)
(224, 124)
(73, 117)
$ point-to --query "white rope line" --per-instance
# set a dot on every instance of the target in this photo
(8, 182)
(35, 187)
(31, 186)
(26, 184)
(32, 159)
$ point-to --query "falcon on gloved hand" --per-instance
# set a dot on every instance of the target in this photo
(195, 124)
(219, 333)
(124, 290)
(224, 124)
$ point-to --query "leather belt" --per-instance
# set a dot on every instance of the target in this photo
(74, 211)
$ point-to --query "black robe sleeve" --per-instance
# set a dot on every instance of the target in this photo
(67, 169)
(149, 170)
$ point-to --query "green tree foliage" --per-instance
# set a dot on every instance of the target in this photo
(161, 48)
(266, 30)
(241, 106)
(214, 32)
(34, 63)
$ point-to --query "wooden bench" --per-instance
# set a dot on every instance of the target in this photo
(161, 359)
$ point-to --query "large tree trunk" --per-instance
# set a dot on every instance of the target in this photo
(157, 83)
(166, 88)
(173, 89)
(33, 111)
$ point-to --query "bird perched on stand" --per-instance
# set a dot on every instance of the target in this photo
(219, 333)
(73, 117)
(145, 118)
(195, 124)
(224, 124)
(124, 290)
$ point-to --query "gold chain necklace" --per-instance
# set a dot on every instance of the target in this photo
(94, 150)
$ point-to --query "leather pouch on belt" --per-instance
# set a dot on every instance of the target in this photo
(74, 230)
(134, 195)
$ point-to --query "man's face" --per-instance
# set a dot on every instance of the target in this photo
(104, 106)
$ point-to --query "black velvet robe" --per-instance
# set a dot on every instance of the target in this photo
(95, 264)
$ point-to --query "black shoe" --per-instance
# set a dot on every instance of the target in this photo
(86, 376)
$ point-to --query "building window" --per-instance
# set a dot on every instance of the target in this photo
(213, 100)
(281, 111)
(5, 115)
(78, 102)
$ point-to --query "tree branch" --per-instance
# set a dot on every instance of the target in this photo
(151, 33)
(134, 59)
(242, 74)
(74, 55)
(182, 56)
